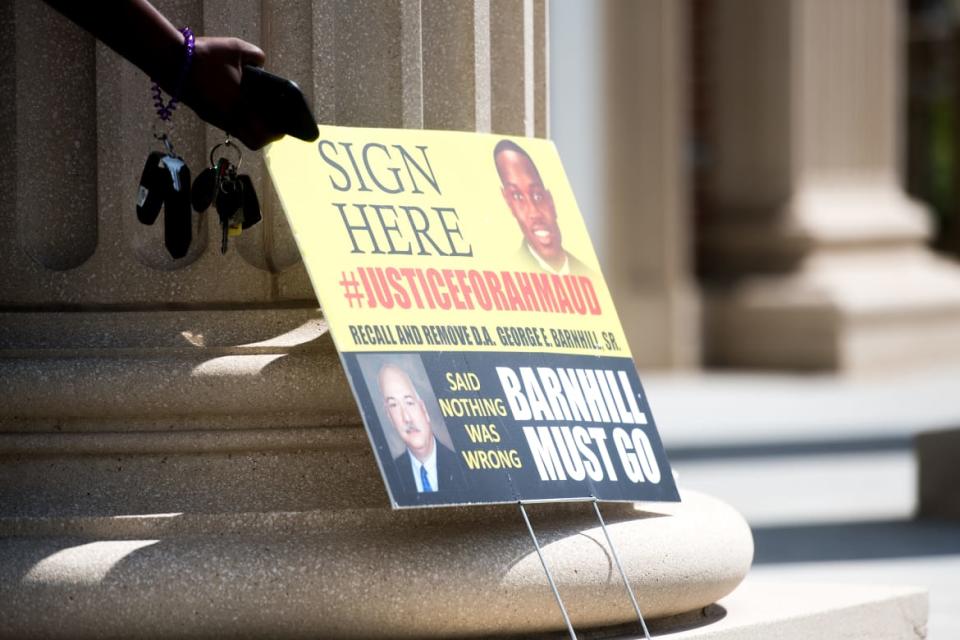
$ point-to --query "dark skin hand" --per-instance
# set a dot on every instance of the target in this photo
(142, 35)
(212, 89)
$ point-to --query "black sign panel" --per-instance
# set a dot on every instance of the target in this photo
(455, 428)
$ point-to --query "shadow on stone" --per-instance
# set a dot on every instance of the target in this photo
(660, 627)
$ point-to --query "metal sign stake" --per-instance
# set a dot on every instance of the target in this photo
(623, 574)
(546, 570)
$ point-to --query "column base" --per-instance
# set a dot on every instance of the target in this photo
(201, 474)
(843, 310)
(662, 327)
(362, 573)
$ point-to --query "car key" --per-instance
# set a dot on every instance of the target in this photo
(229, 201)
(177, 216)
(154, 182)
(251, 204)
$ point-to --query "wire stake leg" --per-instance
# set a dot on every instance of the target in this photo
(623, 574)
(556, 592)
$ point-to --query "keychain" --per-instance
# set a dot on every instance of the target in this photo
(165, 179)
(231, 193)
(165, 182)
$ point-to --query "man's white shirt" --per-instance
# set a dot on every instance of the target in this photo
(564, 270)
(431, 466)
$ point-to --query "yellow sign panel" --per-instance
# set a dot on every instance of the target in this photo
(473, 322)
(436, 250)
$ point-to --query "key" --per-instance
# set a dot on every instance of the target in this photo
(154, 183)
(175, 166)
(229, 201)
(177, 214)
(204, 190)
(235, 228)
(207, 184)
(251, 204)
(224, 236)
(165, 183)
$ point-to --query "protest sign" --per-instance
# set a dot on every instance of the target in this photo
(474, 325)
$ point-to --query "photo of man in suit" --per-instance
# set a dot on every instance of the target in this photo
(532, 207)
(427, 465)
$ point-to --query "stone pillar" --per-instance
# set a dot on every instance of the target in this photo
(648, 238)
(620, 99)
(938, 474)
(179, 450)
(814, 255)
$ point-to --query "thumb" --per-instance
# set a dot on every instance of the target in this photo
(250, 53)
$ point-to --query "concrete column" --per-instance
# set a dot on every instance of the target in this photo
(938, 474)
(647, 239)
(814, 255)
(179, 450)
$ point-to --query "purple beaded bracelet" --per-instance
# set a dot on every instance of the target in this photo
(165, 111)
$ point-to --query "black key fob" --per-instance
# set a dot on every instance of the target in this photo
(279, 101)
(177, 214)
(154, 183)
(204, 189)
(251, 204)
(229, 200)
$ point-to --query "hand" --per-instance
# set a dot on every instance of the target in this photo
(140, 33)
(212, 89)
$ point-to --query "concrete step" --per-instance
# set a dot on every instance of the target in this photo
(766, 609)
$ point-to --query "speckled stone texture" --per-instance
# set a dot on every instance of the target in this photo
(760, 610)
(367, 573)
(169, 370)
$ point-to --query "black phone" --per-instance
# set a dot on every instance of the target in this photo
(281, 101)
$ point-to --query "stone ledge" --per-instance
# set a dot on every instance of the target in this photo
(340, 473)
(173, 388)
(159, 370)
(397, 575)
(761, 610)
(237, 330)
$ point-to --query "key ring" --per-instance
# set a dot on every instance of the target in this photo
(227, 144)
(161, 131)
(228, 187)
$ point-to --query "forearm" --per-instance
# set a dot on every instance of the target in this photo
(135, 30)
(211, 88)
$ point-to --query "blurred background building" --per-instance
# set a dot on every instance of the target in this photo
(743, 169)
(772, 189)
(771, 186)
(933, 100)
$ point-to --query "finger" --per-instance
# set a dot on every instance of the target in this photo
(250, 53)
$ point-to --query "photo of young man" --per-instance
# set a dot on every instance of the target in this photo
(532, 206)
